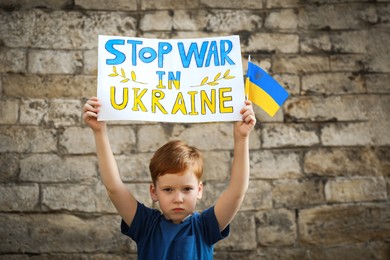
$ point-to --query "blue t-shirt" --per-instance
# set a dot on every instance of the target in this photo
(158, 238)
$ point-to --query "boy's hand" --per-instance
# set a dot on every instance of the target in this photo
(244, 127)
(90, 110)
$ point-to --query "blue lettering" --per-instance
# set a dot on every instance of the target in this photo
(150, 54)
(119, 56)
(134, 51)
(225, 52)
(163, 48)
(213, 51)
(193, 51)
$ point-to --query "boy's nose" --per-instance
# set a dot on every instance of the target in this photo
(178, 197)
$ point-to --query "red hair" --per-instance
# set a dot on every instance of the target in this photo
(175, 157)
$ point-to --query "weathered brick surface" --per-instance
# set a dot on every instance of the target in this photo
(320, 169)
(276, 227)
(355, 223)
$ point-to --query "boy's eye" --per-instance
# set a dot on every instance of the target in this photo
(187, 189)
(167, 189)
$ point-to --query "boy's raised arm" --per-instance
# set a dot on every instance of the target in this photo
(123, 200)
(231, 199)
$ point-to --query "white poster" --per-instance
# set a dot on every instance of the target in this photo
(187, 80)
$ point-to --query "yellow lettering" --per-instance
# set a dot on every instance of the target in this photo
(193, 109)
(137, 100)
(204, 100)
(176, 83)
(157, 95)
(122, 105)
(179, 105)
(160, 84)
(223, 99)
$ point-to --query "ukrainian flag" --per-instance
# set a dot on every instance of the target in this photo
(263, 90)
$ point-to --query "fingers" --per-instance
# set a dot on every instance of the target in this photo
(248, 115)
(92, 105)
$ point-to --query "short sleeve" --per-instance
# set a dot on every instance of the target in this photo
(211, 231)
(143, 219)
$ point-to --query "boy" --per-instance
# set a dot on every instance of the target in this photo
(176, 168)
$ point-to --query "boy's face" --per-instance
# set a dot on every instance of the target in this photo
(177, 194)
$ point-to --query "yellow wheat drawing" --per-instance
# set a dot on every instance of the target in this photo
(133, 76)
(214, 82)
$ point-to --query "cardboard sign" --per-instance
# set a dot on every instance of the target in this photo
(188, 80)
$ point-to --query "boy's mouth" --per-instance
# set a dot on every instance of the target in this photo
(178, 209)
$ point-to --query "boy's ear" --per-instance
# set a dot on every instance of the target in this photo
(153, 193)
(200, 190)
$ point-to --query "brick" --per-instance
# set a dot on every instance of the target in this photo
(333, 108)
(47, 233)
(282, 19)
(9, 167)
(297, 193)
(348, 62)
(378, 58)
(366, 250)
(52, 168)
(258, 196)
(16, 31)
(64, 112)
(355, 190)
(12, 60)
(350, 42)
(34, 111)
(206, 136)
(9, 111)
(383, 155)
(123, 5)
(23, 197)
(134, 167)
(315, 42)
(282, 3)
(211, 192)
(251, 4)
(243, 223)
(142, 194)
(342, 162)
(164, 19)
(336, 17)
(27, 4)
(376, 83)
(273, 42)
(275, 164)
(49, 86)
(264, 253)
(332, 225)
(54, 62)
(27, 139)
(217, 165)
(150, 138)
(72, 30)
(168, 4)
(276, 227)
(351, 134)
(76, 197)
(291, 83)
(300, 64)
(289, 135)
(186, 20)
(90, 62)
(122, 139)
(232, 20)
(77, 140)
(333, 83)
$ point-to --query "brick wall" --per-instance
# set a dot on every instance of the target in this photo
(320, 169)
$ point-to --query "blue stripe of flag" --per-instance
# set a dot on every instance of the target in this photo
(261, 78)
